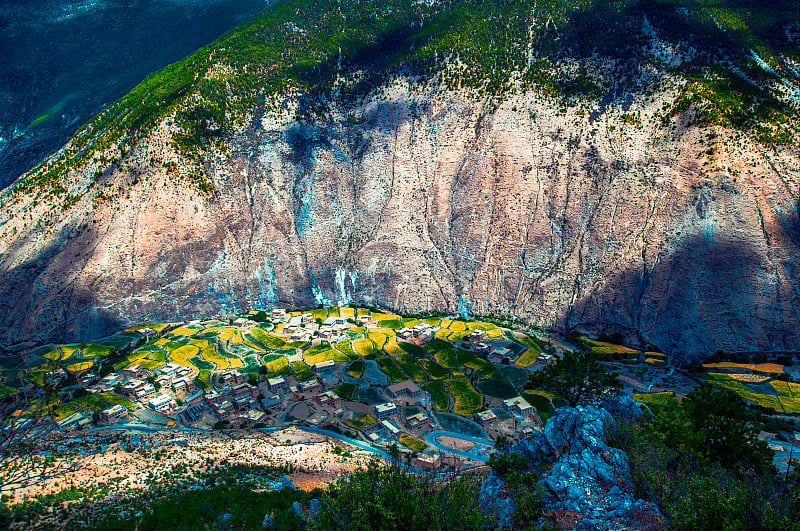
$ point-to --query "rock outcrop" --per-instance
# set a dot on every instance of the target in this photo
(429, 201)
(588, 486)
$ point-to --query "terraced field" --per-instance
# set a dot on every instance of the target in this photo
(468, 401)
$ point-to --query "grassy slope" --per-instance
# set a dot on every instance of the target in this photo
(213, 89)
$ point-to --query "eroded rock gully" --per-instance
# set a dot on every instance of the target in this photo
(431, 201)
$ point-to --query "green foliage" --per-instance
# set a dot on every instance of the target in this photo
(441, 399)
(391, 368)
(715, 424)
(196, 509)
(345, 390)
(694, 493)
(390, 498)
(578, 378)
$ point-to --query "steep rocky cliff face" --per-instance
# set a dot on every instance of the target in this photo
(601, 213)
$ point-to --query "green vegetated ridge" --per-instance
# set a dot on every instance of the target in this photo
(485, 48)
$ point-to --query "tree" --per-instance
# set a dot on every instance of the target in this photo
(391, 498)
(578, 378)
(26, 423)
(716, 424)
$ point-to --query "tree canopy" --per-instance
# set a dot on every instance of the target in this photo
(578, 378)
(391, 498)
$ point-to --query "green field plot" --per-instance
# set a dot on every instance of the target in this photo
(468, 401)
(346, 391)
(7, 391)
(62, 353)
(378, 338)
(360, 421)
(377, 316)
(131, 359)
(468, 359)
(436, 345)
(655, 400)
(90, 402)
(601, 347)
(410, 322)
(204, 377)
(188, 330)
(301, 370)
(435, 371)
(458, 331)
(411, 368)
(345, 348)
(364, 347)
(441, 399)
(270, 340)
(516, 376)
(528, 357)
(320, 313)
(149, 364)
(414, 350)
(333, 311)
(296, 344)
(356, 369)
(392, 370)
(93, 350)
(278, 364)
(443, 334)
(121, 340)
(542, 401)
(318, 354)
(448, 358)
(80, 366)
(412, 442)
(202, 364)
(529, 341)
(158, 327)
(112, 399)
(497, 389)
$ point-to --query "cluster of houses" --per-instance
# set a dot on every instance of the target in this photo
(169, 395)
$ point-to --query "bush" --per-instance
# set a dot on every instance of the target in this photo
(391, 498)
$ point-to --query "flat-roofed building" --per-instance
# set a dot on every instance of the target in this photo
(114, 413)
(325, 366)
(385, 410)
(393, 430)
(418, 420)
(276, 383)
(406, 388)
(518, 405)
(162, 403)
(486, 417)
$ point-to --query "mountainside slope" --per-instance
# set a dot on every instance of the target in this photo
(482, 156)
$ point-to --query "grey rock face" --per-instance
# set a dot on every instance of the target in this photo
(432, 201)
(588, 478)
(495, 499)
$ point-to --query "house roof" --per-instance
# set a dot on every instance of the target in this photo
(408, 385)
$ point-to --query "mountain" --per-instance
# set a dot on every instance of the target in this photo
(64, 60)
(627, 166)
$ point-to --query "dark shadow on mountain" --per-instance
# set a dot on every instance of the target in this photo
(711, 293)
(39, 302)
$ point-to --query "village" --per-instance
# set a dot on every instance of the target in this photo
(328, 396)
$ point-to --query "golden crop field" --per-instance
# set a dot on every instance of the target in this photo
(211, 354)
(185, 331)
(81, 366)
(182, 355)
(392, 348)
(363, 347)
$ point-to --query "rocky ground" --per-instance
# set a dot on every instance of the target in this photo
(586, 484)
